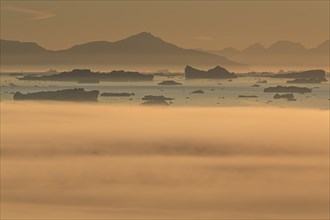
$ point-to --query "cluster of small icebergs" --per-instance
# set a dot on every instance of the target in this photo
(79, 94)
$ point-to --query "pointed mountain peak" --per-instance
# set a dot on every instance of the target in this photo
(145, 42)
(142, 36)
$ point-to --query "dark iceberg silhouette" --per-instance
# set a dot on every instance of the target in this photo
(217, 72)
(306, 81)
(78, 75)
(310, 74)
(77, 94)
(247, 96)
(169, 83)
(113, 94)
(199, 91)
(155, 100)
(289, 97)
(156, 97)
(155, 103)
(288, 89)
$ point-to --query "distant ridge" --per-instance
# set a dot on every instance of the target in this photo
(17, 47)
(286, 47)
(281, 46)
(141, 49)
(140, 43)
(255, 48)
(323, 48)
(284, 54)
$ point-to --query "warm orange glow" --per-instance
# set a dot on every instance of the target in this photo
(94, 161)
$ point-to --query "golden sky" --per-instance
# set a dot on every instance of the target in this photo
(190, 24)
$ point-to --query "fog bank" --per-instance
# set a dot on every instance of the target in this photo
(63, 160)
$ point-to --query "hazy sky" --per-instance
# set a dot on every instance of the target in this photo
(190, 24)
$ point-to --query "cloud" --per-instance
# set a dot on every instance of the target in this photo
(36, 15)
(203, 38)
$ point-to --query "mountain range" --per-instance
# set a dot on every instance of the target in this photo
(283, 54)
(149, 52)
(143, 49)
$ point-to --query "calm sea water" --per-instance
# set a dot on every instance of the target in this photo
(217, 92)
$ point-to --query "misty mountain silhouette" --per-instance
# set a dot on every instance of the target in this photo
(282, 47)
(286, 47)
(228, 50)
(142, 49)
(281, 53)
(139, 43)
(16, 47)
(323, 48)
(255, 48)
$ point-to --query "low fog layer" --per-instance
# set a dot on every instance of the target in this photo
(65, 161)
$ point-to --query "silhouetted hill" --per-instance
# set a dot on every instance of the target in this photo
(322, 48)
(286, 47)
(288, 89)
(255, 48)
(230, 50)
(310, 74)
(139, 43)
(142, 49)
(281, 54)
(16, 47)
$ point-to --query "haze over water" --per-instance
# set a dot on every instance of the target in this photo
(164, 110)
(91, 161)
